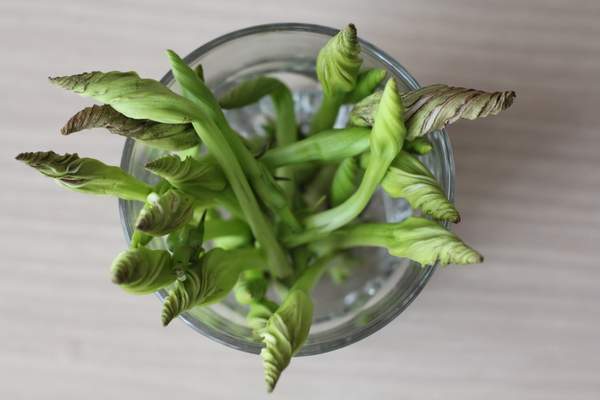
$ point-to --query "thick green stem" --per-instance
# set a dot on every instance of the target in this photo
(328, 146)
(336, 217)
(220, 149)
(326, 115)
(266, 188)
(286, 133)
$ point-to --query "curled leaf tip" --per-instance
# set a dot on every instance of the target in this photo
(141, 270)
(286, 331)
(168, 165)
(433, 107)
(48, 162)
(170, 310)
(338, 62)
(427, 242)
(90, 117)
(189, 173)
(132, 96)
(120, 271)
(350, 33)
(86, 174)
(171, 137)
(410, 179)
(418, 239)
(184, 295)
(171, 211)
(73, 82)
(173, 55)
(388, 132)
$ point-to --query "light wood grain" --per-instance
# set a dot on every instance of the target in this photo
(524, 325)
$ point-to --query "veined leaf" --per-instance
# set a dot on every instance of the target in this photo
(415, 238)
(132, 96)
(385, 142)
(285, 332)
(433, 107)
(86, 175)
(170, 137)
(210, 280)
(143, 271)
(166, 213)
(338, 63)
(189, 173)
(408, 178)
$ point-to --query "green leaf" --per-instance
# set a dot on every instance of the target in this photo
(86, 175)
(434, 107)
(262, 181)
(228, 234)
(251, 286)
(385, 142)
(170, 137)
(367, 82)
(363, 112)
(287, 329)
(415, 238)
(259, 313)
(250, 91)
(286, 127)
(284, 334)
(231, 154)
(210, 280)
(142, 271)
(189, 174)
(132, 96)
(388, 132)
(202, 179)
(408, 178)
(345, 181)
(338, 63)
(166, 213)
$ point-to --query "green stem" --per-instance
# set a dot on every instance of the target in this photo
(266, 188)
(336, 217)
(219, 147)
(286, 133)
(328, 146)
(310, 277)
(135, 190)
(326, 115)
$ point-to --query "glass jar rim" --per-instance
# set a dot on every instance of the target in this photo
(446, 149)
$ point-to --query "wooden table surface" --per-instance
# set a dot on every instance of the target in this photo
(524, 325)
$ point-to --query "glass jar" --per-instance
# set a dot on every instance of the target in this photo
(381, 286)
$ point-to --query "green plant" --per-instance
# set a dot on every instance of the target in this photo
(249, 222)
